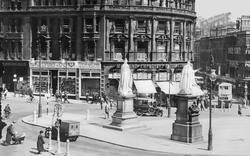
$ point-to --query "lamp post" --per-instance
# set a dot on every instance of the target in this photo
(39, 102)
(210, 134)
(246, 92)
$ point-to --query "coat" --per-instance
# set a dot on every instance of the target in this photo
(10, 133)
(40, 143)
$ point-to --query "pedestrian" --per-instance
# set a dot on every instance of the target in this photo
(239, 110)
(7, 111)
(65, 97)
(10, 133)
(2, 125)
(223, 105)
(107, 109)
(40, 142)
(5, 92)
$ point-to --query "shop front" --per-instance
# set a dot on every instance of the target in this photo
(14, 73)
(75, 77)
(90, 74)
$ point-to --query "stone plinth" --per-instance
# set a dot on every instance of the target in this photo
(124, 118)
(186, 127)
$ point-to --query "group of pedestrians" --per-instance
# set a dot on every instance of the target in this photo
(202, 103)
(62, 96)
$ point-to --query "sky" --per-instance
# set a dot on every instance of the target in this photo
(209, 8)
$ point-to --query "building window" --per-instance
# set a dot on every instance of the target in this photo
(137, 2)
(91, 51)
(89, 24)
(141, 25)
(119, 50)
(97, 24)
(87, 1)
(161, 26)
(65, 27)
(177, 28)
(119, 25)
(115, 2)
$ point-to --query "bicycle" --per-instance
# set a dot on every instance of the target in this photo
(30, 99)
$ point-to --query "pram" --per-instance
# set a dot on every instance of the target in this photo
(18, 139)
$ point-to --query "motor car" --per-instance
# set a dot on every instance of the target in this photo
(147, 106)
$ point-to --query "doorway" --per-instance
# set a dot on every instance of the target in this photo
(54, 74)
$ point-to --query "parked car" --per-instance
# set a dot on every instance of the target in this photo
(147, 106)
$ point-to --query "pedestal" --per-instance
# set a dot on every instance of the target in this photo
(186, 127)
(124, 118)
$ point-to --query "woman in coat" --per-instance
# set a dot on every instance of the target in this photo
(40, 143)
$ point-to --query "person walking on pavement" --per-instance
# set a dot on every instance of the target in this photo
(7, 111)
(2, 125)
(10, 133)
(239, 110)
(65, 97)
(40, 142)
(5, 92)
(107, 109)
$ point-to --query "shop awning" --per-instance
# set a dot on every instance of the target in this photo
(145, 86)
(175, 89)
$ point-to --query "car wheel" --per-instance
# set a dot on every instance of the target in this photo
(138, 113)
(160, 113)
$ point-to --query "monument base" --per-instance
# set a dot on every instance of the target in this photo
(124, 118)
(186, 127)
(188, 132)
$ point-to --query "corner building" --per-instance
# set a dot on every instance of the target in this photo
(93, 37)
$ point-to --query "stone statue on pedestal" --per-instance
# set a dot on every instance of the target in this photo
(126, 81)
(187, 83)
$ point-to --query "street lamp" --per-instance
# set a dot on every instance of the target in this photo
(210, 134)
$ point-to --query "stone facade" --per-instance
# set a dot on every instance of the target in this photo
(149, 33)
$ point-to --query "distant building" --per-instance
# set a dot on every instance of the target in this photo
(204, 27)
(231, 52)
(243, 23)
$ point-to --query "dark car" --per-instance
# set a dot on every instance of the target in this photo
(146, 106)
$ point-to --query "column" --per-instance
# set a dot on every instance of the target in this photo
(94, 23)
(172, 22)
(184, 41)
(84, 24)
(192, 25)
(131, 34)
(107, 44)
(79, 38)
(48, 49)
(153, 32)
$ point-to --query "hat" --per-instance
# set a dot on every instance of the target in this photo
(13, 122)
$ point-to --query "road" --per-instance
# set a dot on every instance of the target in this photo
(85, 146)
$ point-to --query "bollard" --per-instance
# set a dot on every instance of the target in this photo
(67, 148)
(50, 141)
(88, 114)
(58, 141)
(34, 117)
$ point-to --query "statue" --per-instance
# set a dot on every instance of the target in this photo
(187, 83)
(126, 80)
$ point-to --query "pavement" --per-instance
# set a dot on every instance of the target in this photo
(231, 134)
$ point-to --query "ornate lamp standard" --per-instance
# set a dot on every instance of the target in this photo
(210, 134)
